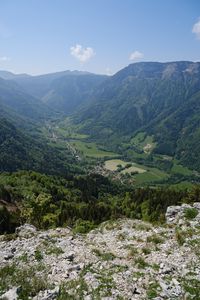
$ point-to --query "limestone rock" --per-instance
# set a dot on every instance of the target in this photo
(11, 294)
(175, 214)
(26, 231)
(123, 259)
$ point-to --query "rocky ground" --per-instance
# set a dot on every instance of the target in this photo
(123, 259)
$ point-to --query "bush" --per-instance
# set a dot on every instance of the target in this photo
(38, 255)
(190, 213)
(82, 226)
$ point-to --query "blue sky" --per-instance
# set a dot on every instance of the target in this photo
(100, 36)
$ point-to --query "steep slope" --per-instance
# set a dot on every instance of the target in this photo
(21, 151)
(179, 133)
(69, 92)
(63, 91)
(12, 97)
(141, 93)
(9, 75)
(161, 99)
(38, 86)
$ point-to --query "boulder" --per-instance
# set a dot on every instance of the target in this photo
(172, 214)
(11, 294)
(26, 231)
(48, 294)
(176, 214)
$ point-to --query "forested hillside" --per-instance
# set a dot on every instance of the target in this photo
(14, 98)
(161, 99)
(80, 201)
(63, 91)
(20, 151)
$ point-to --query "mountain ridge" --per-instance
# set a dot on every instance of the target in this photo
(160, 99)
(146, 96)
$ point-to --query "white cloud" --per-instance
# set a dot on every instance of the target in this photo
(4, 58)
(81, 53)
(136, 55)
(196, 29)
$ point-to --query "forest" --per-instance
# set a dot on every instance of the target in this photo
(81, 202)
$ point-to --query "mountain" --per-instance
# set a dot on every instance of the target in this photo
(161, 99)
(69, 92)
(63, 91)
(14, 100)
(9, 75)
(20, 151)
(179, 134)
(38, 86)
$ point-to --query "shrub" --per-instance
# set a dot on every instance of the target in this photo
(38, 255)
(27, 278)
(146, 251)
(141, 263)
(54, 250)
(104, 256)
(190, 213)
(179, 236)
(155, 239)
(83, 226)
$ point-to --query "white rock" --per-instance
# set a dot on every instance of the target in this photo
(196, 205)
(12, 294)
(26, 230)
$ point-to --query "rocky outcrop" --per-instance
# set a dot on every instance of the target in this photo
(124, 259)
(11, 294)
(26, 231)
(181, 214)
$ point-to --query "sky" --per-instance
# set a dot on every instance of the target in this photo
(99, 36)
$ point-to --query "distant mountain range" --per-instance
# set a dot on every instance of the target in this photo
(15, 102)
(159, 99)
(62, 91)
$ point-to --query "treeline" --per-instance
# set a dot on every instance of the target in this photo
(81, 202)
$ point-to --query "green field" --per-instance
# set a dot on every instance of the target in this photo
(152, 175)
(90, 149)
(65, 132)
(145, 174)
(69, 134)
(113, 163)
(133, 169)
(183, 185)
(112, 166)
(143, 142)
(134, 155)
(179, 169)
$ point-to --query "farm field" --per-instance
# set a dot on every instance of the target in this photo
(112, 165)
(61, 135)
(152, 175)
(143, 142)
(89, 149)
(145, 174)
(179, 169)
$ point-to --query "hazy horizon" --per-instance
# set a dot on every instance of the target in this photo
(85, 71)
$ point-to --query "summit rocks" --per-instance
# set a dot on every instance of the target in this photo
(123, 259)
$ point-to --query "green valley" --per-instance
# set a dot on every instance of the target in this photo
(124, 135)
(136, 160)
(99, 150)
